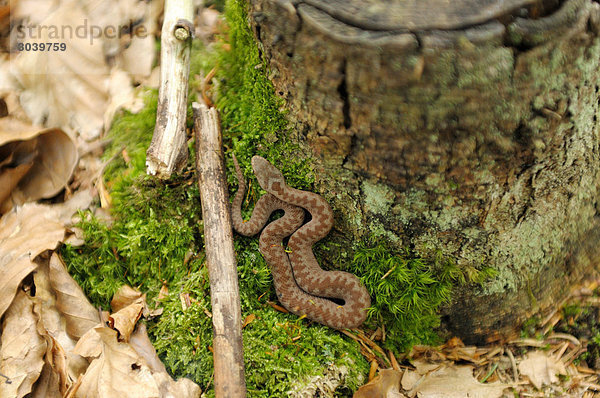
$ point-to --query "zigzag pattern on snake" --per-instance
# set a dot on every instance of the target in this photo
(302, 286)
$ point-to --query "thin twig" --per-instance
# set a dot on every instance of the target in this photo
(513, 364)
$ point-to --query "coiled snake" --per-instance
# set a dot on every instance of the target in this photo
(302, 286)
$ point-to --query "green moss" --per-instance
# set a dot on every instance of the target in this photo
(530, 328)
(281, 350)
(155, 238)
(406, 292)
(251, 115)
(140, 247)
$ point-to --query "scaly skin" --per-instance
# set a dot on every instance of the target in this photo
(301, 291)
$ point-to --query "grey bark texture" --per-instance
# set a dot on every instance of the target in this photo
(467, 128)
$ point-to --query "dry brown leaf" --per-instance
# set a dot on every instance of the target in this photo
(9, 179)
(47, 386)
(53, 325)
(120, 372)
(22, 349)
(141, 343)
(541, 368)
(117, 372)
(89, 345)
(410, 380)
(207, 22)
(80, 315)
(122, 94)
(169, 388)
(124, 320)
(454, 382)
(424, 367)
(35, 163)
(385, 385)
(125, 296)
(55, 369)
(72, 88)
(248, 320)
(164, 291)
(26, 232)
(139, 56)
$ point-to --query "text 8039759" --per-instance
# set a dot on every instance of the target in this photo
(48, 46)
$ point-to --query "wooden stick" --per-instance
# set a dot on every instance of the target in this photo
(220, 256)
(168, 150)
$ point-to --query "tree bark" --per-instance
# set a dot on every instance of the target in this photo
(469, 128)
(220, 256)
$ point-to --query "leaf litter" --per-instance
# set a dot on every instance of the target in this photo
(53, 342)
(550, 366)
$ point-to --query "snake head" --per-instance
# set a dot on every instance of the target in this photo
(268, 176)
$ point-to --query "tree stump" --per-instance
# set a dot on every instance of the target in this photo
(464, 127)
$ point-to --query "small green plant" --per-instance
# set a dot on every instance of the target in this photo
(572, 310)
(140, 247)
(406, 290)
(530, 328)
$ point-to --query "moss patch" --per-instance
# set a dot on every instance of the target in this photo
(140, 247)
(406, 292)
(252, 118)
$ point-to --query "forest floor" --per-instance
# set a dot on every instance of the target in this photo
(138, 231)
(557, 356)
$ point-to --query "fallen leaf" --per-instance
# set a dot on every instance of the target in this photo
(56, 366)
(541, 368)
(125, 296)
(47, 386)
(35, 163)
(75, 88)
(54, 325)
(89, 345)
(80, 315)
(207, 21)
(138, 57)
(424, 367)
(385, 385)
(249, 319)
(124, 320)
(141, 343)
(410, 380)
(455, 382)
(164, 291)
(22, 349)
(119, 371)
(26, 232)
(9, 179)
(182, 388)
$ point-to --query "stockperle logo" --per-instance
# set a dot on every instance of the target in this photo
(41, 42)
(27, 32)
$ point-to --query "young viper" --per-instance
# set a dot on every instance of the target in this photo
(301, 285)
